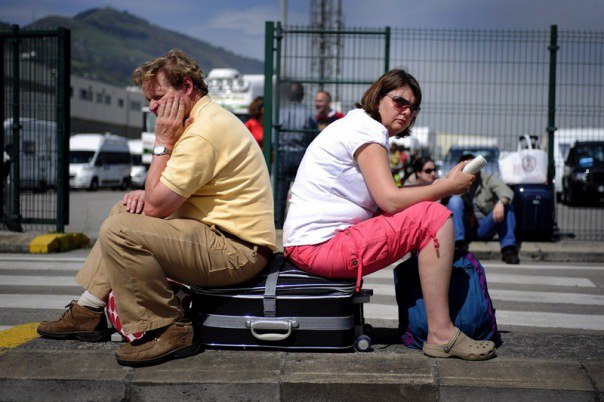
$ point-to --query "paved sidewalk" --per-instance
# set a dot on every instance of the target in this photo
(528, 367)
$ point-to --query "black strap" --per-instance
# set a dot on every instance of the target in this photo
(270, 287)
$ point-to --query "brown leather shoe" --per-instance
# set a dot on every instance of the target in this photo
(172, 342)
(77, 322)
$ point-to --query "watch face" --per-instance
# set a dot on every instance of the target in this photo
(161, 150)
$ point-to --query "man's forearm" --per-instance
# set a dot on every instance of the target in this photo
(158, 164)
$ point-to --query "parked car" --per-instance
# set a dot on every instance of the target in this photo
(583, 177)
(138, 174)
(37, 156)
(99, 160)
(490, 153)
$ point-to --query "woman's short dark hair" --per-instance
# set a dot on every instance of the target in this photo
(419, 163)
(255, 108)
(390, 81)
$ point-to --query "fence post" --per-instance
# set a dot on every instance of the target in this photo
(267, 117)
(551, 106)
(14, 216)
(63, 126)
(277, 109)
(387, 50)
(3, 173)
(551, 121)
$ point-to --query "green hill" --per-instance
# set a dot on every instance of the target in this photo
(108, 44)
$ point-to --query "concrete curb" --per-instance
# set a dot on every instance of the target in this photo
(58, 242)
(563, 251)
(280, 376)
(41, 243)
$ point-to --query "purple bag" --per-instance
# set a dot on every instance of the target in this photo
(469, 302)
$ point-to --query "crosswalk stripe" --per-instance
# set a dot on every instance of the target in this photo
(569, 267)
(539, 280)
(504, 317)
(550, 320)
(24, 280)
(41, 302)
(29, 267)
(546, 297)
(515, 279)
(527, 296)
(30, 258)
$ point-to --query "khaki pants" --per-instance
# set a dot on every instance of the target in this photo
(135, 254)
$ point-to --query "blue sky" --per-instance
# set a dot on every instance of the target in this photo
(238, 25)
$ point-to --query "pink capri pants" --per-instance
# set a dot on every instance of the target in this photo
(373, 244)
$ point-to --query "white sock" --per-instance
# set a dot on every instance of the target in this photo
(89, 300)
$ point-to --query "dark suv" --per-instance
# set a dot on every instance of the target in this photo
(583, 178)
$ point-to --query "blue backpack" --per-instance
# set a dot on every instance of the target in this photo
(469, 302)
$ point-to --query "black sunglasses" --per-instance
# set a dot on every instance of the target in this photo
(405, 104)
(429, 170)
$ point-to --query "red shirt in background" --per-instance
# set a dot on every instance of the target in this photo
(256, 129)
(325, 120)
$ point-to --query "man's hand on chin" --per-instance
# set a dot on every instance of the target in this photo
(171, 123)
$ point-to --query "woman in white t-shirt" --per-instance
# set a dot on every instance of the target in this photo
(347, 218)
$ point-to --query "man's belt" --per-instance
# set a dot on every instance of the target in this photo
(262, 250)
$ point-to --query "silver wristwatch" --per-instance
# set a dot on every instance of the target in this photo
(161, 150)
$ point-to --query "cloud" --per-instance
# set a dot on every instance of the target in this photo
(248, 22)
(241, 29)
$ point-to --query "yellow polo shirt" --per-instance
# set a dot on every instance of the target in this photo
(217, 165)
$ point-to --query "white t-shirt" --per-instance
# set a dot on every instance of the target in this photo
(329, 193)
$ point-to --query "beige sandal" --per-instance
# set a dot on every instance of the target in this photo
(461, 346)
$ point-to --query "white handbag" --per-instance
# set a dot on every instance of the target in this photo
(526, 166)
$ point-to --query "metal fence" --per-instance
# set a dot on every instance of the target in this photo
(489, 87)
(481, 88)
(34, 102)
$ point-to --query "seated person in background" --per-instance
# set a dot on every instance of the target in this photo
(483, 211)
(424, 172)
(325, 114)
(333, 228)
(205, 218)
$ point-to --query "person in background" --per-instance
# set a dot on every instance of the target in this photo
(347, 218)
(204, 218)
(325, 114)
(424, 171)
(486, 209)
(298, 128)
(254, 124)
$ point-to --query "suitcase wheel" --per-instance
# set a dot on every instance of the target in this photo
(363, 343)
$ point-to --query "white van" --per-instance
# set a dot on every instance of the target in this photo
(138, 174)
(37, 152)
(564, 139)
(99, 160)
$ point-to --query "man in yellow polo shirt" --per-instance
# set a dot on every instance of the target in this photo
(205, 218)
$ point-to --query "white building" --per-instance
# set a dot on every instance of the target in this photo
(100, 107)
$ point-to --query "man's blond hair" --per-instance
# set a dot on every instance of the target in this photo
(176, 65)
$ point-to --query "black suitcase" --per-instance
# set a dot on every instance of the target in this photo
(283, 308)
(534, 209)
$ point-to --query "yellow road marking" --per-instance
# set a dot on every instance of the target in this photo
(17, 335)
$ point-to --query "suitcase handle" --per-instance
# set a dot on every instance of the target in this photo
(272, 325)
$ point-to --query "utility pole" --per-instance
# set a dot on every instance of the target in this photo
(326, 15)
